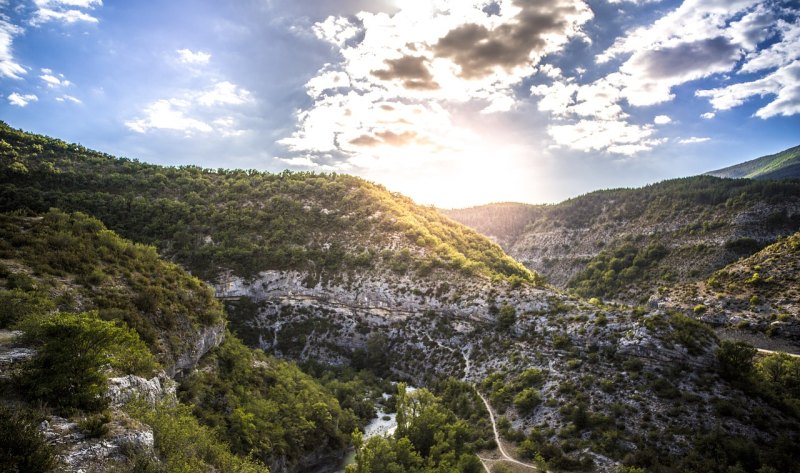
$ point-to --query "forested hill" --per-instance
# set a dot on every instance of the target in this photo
(783, 165)
(626, 243)
(244, 221)
(503, 222)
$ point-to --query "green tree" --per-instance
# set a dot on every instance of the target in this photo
(506, 317)
(735, 359)
(73, 350)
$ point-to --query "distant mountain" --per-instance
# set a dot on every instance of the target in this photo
(623, 244)
(783, 165)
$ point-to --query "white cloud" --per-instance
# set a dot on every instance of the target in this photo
(9, 67)
(223, 93)
(21, 100)
(168, 115)
(783, 84)
(68, 98)
(693, 139)
(696, 40)
(203, 111)
(67, 11)
(614, 136)
(187, 56)
(708, 115)
(662, 120)
(401, 74)
(52, 80)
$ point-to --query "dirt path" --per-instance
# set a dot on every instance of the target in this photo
(770, 352)
(500, 448)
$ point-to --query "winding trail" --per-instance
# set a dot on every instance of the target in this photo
(502, 450)
(770, 352)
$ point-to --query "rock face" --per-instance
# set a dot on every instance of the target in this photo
(208, 338)
(79, 453)
(127, 388)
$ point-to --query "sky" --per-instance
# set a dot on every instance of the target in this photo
(451, 102)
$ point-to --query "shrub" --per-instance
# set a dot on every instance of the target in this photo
(22, 446)
(527, 400)
(72, 353)
(699, 309)
(735, 359)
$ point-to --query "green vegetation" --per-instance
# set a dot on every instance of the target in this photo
(71, 261)
(214, 220)
(73, 353)
(22, 447)
(781, 165)
(265, 407)
(183, 445)
(429, 438)
(610, 271)
(521, 389)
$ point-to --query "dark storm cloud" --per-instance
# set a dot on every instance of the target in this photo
(686, 59)
(411, 70)
(478, 50)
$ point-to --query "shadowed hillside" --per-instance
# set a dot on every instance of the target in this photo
(783, 165)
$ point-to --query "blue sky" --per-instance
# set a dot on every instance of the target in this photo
(452, 102)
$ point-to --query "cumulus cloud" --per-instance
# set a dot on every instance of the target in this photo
(411, 70)
(20, 100)
(696, 40)
(187, 56)
(9, 67)
(662, 120)
(68, 98)
(782, 85)
(202, 111)
(614, 136)
(54, 80)
(401, 74)
(67, 11)
(535, 29)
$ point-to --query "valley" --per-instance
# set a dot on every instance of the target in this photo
(272, 312)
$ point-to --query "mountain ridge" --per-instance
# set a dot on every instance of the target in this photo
(782, 165)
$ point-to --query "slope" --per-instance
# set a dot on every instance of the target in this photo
(783, 165)
(757, 295)
(73, 291)
(626, 243)
(244, 221)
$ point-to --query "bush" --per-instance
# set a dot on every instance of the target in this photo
(527, 400)
(735, 359)
(22, 446)
(18, 305)
(72, 352)
(95, 425)
(699, 309)
(507, 317)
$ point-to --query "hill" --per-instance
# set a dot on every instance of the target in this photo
(344, 276)
(624, 244)
(501, 222)
(783, 165)
(244, 221)
(756, 296)
(99, 322)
